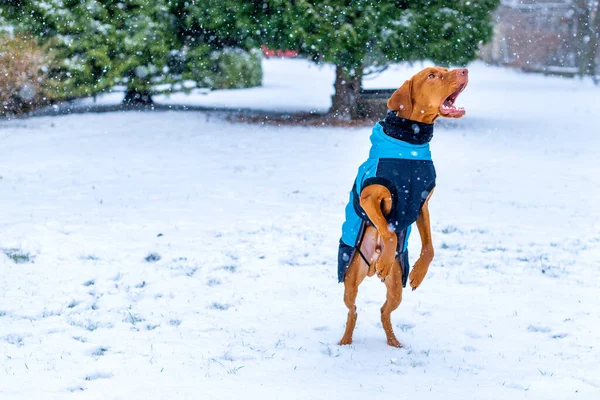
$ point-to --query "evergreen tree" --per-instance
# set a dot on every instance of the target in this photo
(102, 42)
(140, 43)
(361, 36)
(206, 27)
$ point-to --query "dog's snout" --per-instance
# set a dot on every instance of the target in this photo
(462, 71)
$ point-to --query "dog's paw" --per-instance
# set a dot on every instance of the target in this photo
(383, 267)
(416, 276)
(394, 342)
(345, 341)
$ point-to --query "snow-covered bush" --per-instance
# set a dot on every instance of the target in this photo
(232, 68)
(24, 74)
(237, 68)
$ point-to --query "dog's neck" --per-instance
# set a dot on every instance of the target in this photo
(420, 114)
(406, 130)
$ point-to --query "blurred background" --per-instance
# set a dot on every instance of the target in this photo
(54, 50)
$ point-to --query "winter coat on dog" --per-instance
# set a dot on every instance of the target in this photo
(400, 160)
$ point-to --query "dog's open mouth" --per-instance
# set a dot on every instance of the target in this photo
(448, 108)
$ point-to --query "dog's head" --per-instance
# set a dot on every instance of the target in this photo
(429, 94)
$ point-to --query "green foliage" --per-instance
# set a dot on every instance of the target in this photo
(218, 23)
(141, 43)
(104, 43)
(452, 31)
(234, 69)
(220, 38)
(363, 36)
(363, 33)
(18, 256)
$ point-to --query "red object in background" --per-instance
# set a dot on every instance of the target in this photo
(278, 53)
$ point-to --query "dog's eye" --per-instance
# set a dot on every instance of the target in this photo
(431, 76)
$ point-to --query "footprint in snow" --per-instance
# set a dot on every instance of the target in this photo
(152, 257)
(99, 352)
(98, 375)
(559, 336)
(219, 306)
(141, 285)
(449, 229)
(229, 268)
(213, 282)
(405, 327)
(472, 335)
(541, 329)
(14, 339)
(73, 303)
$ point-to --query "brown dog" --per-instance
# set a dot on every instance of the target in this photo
(380, 225)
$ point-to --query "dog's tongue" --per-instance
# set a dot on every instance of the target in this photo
(447, 108)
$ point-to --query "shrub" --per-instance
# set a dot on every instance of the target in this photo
(236, 68)
(229, 68)
(24, 73)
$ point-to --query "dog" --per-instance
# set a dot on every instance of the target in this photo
(392, 191)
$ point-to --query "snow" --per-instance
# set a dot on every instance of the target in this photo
(244, 302)
(289, 85)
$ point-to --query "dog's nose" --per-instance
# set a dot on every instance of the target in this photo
(462, 71)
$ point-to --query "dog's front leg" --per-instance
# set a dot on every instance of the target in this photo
(376, 200)
(422, 265)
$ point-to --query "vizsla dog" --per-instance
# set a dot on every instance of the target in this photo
(392, 191)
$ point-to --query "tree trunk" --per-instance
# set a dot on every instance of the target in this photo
(135, 97)
(584, 35)
(594, 37)
(344, 102)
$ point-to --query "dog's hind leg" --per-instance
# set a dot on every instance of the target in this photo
(393, 298)
(357, 270)
(376, 201)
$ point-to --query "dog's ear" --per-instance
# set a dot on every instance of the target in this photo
(401, 100)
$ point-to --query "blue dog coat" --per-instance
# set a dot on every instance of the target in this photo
(400, 160)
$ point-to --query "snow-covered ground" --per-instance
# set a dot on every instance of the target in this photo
(244, 303)
(289, 85)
